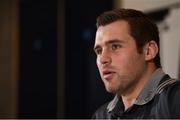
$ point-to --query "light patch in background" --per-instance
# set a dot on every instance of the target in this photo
(147, 5)
(170, 43)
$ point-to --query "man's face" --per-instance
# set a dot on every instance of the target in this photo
(119, 63)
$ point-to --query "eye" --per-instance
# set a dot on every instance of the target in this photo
(115, 46)
(98, 51)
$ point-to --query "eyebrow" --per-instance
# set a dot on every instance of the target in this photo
(114, 41)
(110, 42)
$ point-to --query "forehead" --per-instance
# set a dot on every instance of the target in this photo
(116, 30)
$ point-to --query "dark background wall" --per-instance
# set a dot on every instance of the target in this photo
(38, 59)
(83, 89)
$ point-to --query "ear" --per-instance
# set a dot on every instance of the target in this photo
(150, 50)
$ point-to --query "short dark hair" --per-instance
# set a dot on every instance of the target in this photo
(141, 27)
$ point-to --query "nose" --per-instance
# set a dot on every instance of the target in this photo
(105, 58)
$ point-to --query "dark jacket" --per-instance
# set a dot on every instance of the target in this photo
(159, 99)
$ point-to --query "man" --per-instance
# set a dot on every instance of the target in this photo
(127, 49)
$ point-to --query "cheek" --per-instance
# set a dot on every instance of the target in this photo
(120, 60)
(135, 62)
(126, 61)
(98, 64)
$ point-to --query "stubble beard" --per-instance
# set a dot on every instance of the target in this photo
(124, 84)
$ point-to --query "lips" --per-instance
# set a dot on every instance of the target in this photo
(108, 74)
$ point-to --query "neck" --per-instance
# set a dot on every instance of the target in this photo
(130, 95)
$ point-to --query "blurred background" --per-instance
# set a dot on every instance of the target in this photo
(47, 63)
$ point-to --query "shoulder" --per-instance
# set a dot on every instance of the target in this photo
(172, 95)
(172, 90)
(101, 112)
(168, 86)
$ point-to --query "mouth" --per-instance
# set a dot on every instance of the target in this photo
(108, 75)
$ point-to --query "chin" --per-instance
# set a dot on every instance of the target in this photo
(110, 90)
